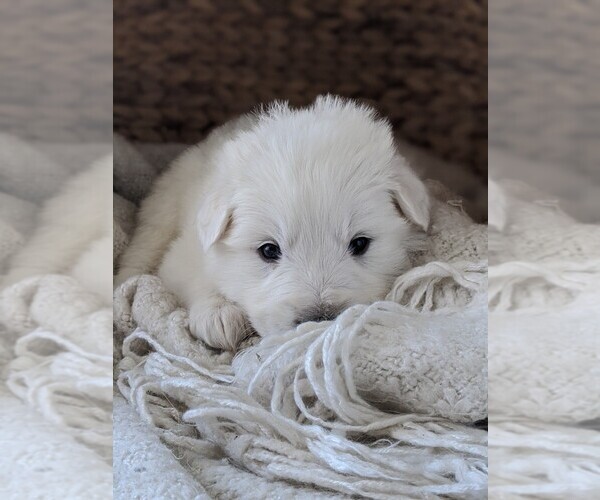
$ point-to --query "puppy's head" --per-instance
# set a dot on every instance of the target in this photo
(311, 211)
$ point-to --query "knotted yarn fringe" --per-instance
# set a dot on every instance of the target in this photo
(68, 385)
(539, 458)
(302, 417)
(318, 361)
(61, 361)
(508, 279)
(429, 286)
(408, 455)
(277, 448)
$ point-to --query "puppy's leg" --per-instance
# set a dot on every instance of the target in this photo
(157, 226)
(218, 322)
(212, 318)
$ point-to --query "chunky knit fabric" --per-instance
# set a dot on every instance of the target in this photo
(543, 347)
(55, 329)
(183, 68)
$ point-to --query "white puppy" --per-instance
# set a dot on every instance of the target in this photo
(281, 217)
(74, 235)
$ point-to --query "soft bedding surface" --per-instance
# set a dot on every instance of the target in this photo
(380, 402)
(55, 320)
(544, 362)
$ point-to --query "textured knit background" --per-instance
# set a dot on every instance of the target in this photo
(544, 98)
(56, 74)
(543, 81)
(182, 67)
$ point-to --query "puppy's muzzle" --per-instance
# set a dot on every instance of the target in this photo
(321, 312)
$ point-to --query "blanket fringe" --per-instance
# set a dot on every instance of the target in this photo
(536, 458)
(539, 281)
(438, 284)
(341, 442)
(61, 360)
(411, 456)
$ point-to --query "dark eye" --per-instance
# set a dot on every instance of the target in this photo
(358, 246)
(269, 252)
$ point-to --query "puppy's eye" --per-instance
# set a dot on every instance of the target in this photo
(269, 252)
(358, 246)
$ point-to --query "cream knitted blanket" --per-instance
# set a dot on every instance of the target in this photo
(544, 348)
(379, 403)
(55, 322)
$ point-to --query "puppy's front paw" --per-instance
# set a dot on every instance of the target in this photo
(221, 324)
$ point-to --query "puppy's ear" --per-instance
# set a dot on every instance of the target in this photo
(214, 218)
(410, 195)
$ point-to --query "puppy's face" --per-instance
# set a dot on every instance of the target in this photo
(314, 212)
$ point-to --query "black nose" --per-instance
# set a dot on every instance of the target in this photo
(319, 313)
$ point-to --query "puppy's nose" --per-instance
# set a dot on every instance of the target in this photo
(318, 313)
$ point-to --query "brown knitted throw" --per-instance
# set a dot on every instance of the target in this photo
(183, 66)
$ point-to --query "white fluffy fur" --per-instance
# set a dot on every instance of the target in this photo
(310, 180)
(74, 234)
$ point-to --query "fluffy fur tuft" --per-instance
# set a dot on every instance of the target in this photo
(308, 180)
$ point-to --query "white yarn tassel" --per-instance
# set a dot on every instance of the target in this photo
(545, 460)
(509, 279)
(68, 385)
(318, 361)
(417, 288)
(304, 417)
